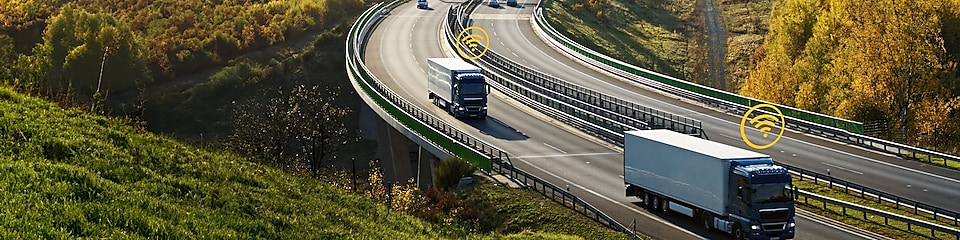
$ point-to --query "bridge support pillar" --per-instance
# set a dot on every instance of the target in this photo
(425, 164)
(394, 154)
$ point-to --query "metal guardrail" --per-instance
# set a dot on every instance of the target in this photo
(595, 108)
(879, 196)
(691, 87)
(455, 23)
(827, 126)
(444, 135)
(866, 213)
(430, 128)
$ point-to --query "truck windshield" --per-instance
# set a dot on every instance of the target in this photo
(473, 89)
(772, 192)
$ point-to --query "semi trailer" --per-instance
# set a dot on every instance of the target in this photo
(737, 191)
(458, 87)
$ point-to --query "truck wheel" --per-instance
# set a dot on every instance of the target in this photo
(707, 219)
(647, 200)
(664, 205)
(737, 232)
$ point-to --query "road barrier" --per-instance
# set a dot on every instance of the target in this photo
(809, 122)
(490, 158)
(863, 192)
(866, 214)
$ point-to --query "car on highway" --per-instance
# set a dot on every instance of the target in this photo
(422, 4)
(494, 3)
(512, 3)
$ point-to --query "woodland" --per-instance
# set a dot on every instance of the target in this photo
(889, 64)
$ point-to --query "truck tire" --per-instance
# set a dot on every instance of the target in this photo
(737, 231)
(664, 205)
(647, 200)
(706, 219)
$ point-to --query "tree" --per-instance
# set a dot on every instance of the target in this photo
(318, 124)
(89, 53)
(7, 57)
(301, 127)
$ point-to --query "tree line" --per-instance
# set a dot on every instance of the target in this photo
(888, 62)
(77, 48)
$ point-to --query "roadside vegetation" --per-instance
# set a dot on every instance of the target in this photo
(258, 92)
(647, 33)
(874, 224)
(887, 62)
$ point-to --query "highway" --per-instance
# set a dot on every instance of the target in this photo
(513, 37)
(397, 53)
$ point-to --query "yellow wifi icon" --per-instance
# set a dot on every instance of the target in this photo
(764, 123)
(472, 41)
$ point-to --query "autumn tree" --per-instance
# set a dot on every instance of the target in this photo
(864, 60)
(90, 53)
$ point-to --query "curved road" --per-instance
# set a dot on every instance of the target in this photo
(513, 37)
(397, 53)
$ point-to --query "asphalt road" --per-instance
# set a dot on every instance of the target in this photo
(397, 54)
(512, 36)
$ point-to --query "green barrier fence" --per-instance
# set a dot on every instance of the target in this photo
(851, 126)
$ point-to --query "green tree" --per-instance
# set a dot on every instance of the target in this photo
(89, 53)
(7, 57)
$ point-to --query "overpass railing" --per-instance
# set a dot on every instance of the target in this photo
(864, 213)
(839, 129)
(430, 128)
(456, 22)
(570, 102)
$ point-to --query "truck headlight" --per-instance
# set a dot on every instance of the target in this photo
(460, 108)
(755, 227)
(792, 225)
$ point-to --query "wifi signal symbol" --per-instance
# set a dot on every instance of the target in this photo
(473, 41)
(764, 123)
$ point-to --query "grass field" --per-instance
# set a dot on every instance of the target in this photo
(646, 33)
(68, 174)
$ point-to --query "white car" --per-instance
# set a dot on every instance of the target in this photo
(494, 3)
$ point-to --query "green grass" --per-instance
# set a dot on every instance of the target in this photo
(526, 210)
(855, 218)
(747, 23)
(935, 160)
(68, 174)
(645, 33)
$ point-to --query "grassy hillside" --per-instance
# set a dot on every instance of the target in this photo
(70, 174)
(646, 33)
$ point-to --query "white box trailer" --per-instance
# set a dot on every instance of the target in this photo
(709, 181)
(457, 86)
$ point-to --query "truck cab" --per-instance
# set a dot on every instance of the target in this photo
(422, 4)
(472, 89)
(512, 3)
(765, 196)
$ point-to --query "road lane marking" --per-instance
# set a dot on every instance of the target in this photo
(842, 168)
(567, 155)
(644, 213)
(555, 148)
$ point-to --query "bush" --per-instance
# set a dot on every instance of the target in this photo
(449, 172)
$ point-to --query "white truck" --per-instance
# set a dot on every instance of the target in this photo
(457, 86)
(737, 191)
